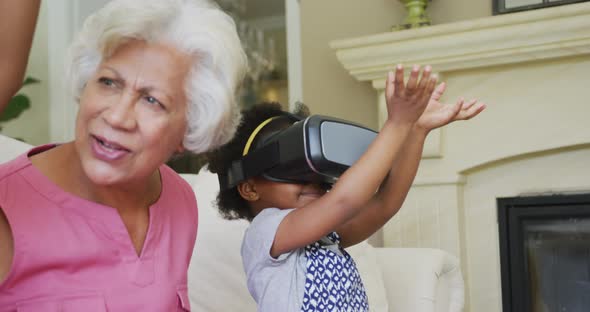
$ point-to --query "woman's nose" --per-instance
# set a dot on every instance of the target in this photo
(120, 113)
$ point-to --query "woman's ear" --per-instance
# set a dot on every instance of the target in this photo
(247, 190)
(180, 149)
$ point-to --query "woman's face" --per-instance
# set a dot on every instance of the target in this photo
(132, 115)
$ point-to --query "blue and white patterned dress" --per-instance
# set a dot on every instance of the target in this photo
(319, 277)
(333, 282)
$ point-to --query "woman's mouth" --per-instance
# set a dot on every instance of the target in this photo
(107, 150)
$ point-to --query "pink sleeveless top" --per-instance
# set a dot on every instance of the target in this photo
(71, 254)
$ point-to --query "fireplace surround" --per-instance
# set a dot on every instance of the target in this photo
(545, 252)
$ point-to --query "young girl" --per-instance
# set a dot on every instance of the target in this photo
(293, 250)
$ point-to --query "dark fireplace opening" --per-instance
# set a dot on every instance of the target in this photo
(545, 253)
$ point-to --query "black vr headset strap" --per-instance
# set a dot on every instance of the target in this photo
(251, 165)
(255, 162)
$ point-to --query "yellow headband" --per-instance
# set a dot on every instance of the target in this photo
(254, 133)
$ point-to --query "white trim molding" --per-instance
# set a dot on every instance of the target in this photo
(275, 22)
(294, 52)
(496, 40)
(62, 20)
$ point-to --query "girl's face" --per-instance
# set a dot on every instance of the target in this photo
(132, 115)
(284, 195)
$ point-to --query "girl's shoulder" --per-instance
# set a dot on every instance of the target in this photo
(269, 218)
(264, 226)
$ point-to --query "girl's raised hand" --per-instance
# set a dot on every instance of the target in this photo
(406, 103)
(438, 114)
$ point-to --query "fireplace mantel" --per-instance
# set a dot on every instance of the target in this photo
(536, 35)
(496, 40)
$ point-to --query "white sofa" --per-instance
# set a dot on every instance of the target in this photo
(396, 279)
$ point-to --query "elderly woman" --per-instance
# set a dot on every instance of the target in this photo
(100, 223)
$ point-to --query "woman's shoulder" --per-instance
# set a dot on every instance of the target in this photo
(171, 178)
(169, 175)
(175, 186)
(22, 161)
(10, 167)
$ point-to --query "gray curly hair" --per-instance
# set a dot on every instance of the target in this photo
(196, 27)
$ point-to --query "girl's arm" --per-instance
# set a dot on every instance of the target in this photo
(17, 27)
(391, 195)
(405, 104)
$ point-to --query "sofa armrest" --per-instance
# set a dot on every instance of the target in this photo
(421, 279)
(11, 148)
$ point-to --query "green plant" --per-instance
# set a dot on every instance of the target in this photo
(18, 103)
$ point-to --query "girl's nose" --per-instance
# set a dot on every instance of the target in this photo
(320, 186)
(326, 186)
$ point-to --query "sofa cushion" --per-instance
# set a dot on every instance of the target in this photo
(11, 148)
(217, 281)
(367, 263)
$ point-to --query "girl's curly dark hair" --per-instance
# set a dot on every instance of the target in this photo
(229, 202)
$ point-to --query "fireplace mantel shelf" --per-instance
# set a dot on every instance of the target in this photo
(497, 40)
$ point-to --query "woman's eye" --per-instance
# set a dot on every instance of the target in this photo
(153, 100)
(106, 81)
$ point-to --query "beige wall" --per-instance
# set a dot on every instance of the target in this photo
(448, 11)
(327, 87)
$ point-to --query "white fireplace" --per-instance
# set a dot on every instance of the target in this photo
(533, 71)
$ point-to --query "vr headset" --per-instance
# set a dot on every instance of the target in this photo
(317, 149)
